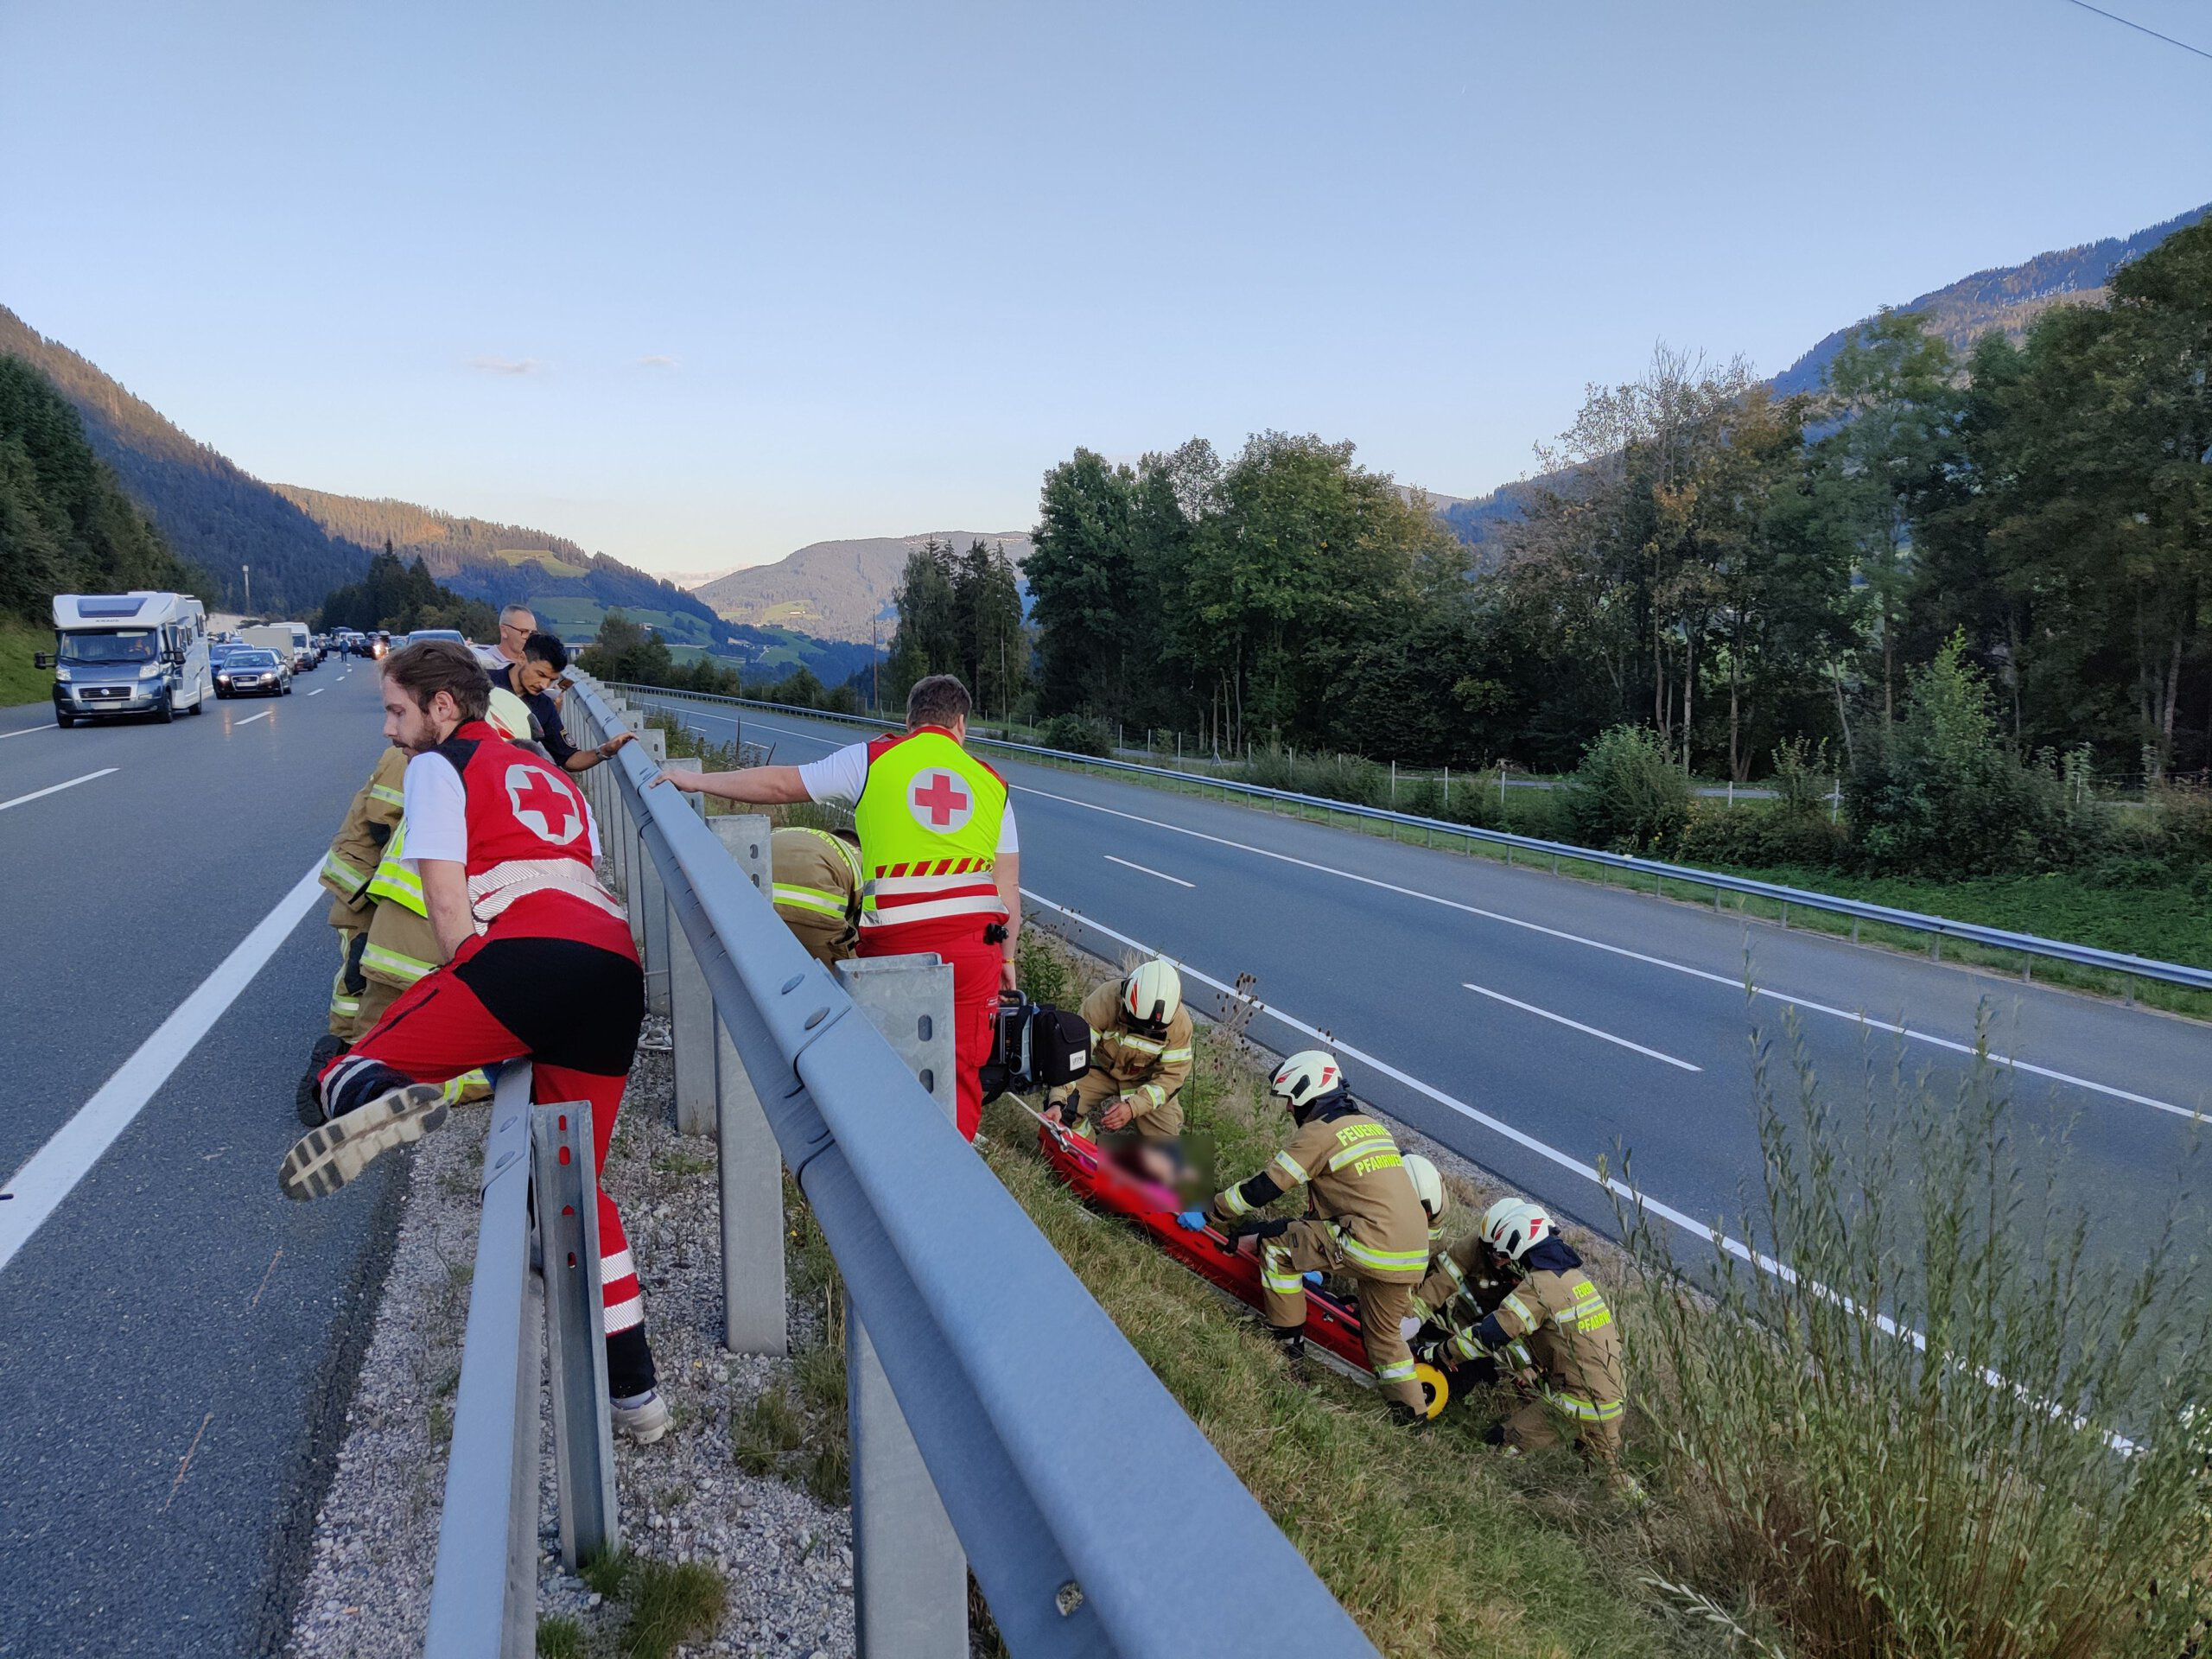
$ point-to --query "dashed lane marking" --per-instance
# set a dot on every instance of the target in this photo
(1592, 1031)
(318, 691)
(186, 1464)
(1145, 869)
(263, 715)
(25, 731)
(55, 1169)
(55, 789)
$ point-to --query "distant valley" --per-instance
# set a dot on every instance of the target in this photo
(839, 590)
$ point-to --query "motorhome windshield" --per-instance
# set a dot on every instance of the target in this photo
(124, 645)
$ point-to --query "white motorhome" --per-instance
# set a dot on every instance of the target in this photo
(135, 653)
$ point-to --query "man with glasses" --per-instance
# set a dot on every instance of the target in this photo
(502, 659)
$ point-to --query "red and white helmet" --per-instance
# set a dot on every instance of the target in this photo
(1305, 1080)
(1153, 994)
(1512, 1226)
(1428, 1187)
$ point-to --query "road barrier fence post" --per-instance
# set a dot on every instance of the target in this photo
(492, 1475)
(565, 1182)
(751, 1166)
(910, 1575)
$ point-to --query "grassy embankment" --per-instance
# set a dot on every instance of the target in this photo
(19, 681)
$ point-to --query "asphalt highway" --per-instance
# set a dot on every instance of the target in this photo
(1536, 1024)
(177, 1342)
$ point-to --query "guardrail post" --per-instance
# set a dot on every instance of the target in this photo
(910, 1576)
(567, 1188)
(492, 1475)
(692, 1032)
(751, 1166)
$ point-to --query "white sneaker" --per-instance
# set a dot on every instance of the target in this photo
(324, 1159)
(643, 1417)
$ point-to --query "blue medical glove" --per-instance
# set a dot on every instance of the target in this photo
(1314, 1278)
(1191, 1220)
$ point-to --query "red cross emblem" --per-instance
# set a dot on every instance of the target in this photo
(939, 801)
(543, 806)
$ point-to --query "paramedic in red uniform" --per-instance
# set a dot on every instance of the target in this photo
(940, 862)
(538, 966)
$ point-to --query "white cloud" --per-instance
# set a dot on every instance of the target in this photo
(505, 364)
(656, 361)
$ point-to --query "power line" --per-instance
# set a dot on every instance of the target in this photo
(2139, 28)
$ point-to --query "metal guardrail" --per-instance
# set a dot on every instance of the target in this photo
(536, 1261)
(1939, 928)
(960, 1299)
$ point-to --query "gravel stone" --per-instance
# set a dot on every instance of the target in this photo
(787, 1559)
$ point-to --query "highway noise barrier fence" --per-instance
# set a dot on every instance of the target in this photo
(1936, 928)
(957, 1305)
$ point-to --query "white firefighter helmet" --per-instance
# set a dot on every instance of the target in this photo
(1305, 1080)
(509, 715)
(1153, 994)
(1429, 1184)
(1512, 1226)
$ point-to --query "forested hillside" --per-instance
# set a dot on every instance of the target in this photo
(2004, 300)
(212, 513)
(64, 524)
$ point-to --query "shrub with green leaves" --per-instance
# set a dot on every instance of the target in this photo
(1078, 736)
(2004, 1471)
(1628, 794)
(1942, 794)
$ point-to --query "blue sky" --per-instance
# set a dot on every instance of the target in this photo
(697, 284)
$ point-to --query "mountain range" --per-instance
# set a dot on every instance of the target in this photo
(816, 608)
(839, 590)
(292, 545)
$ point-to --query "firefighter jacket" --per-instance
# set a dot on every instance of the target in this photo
(817, 891)
(359, 846)
(1555, 1322)
(1463, 1285)
(1149, 1071)
(402, 945)
(1357, 1181)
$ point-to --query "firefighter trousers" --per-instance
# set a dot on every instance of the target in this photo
(1535, 1424)
(1286, 1256)
(572, 1009)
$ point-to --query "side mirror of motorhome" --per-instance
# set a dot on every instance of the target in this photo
(41, 659)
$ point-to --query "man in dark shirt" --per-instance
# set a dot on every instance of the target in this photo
(544, 660)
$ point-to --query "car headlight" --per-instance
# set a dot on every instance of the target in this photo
(222, 679)
(152, 671)
(61, 677)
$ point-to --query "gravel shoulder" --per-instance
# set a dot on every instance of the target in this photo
(784, 1557)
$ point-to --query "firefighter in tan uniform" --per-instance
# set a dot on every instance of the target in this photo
(1552, 1331)
(1367, 1221)
(347, 870)
(817, 891)
(1140, 1049)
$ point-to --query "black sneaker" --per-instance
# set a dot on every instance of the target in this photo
(1292, 1345)
(309, 1097)
(324, 1159)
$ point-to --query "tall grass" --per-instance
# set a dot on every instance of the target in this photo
(2022, 1487)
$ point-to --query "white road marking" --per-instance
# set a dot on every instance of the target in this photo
(38, 1188)
(1628, 1194)
(1912, 1032)
(1147, 870)
(55, 789)
(318, 691)
(1592, 1031)
(1857, 1018)
(263, 715)
(25, 731)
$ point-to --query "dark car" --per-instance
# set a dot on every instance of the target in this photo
(250, 672)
